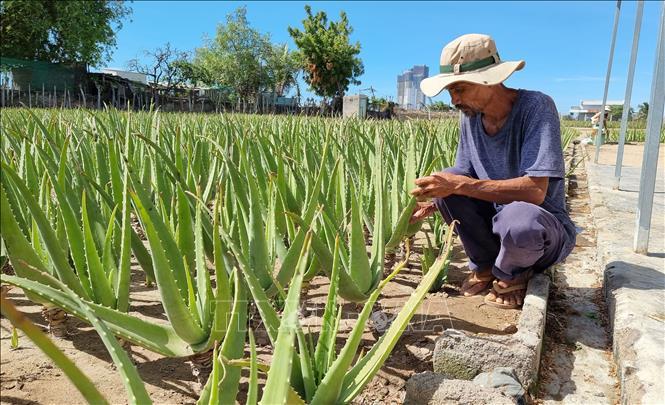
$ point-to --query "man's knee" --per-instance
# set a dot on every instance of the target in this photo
(517, 224)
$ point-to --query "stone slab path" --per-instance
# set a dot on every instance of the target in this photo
(634, 284)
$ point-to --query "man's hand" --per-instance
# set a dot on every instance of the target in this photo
(422, 211)
(439, 185)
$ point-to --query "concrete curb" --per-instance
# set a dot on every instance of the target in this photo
(458, 356)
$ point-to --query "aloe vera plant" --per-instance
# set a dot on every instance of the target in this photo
(198, 315)
(330, 377)
(136, 391)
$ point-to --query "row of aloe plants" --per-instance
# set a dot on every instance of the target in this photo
(232, 207)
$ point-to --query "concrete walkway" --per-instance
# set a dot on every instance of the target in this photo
(576, 364)
(634, 284)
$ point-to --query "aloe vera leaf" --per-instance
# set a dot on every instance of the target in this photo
(100, 287)
(395, 195)
(140, 252)
(203, 286)
(285, 272)
(62, 267)
(239, 186)
(399, 232)
(164, 157)
(177, 152)
(359, 267)
(12, 196)
(410, 170)
(108, 254)
(258, 170)
(331, 385)
(313, 269)
(37, 245)
(209, 188)
(191, 298)
(116, 178)
(279, 209)
(258, 246)
(103, 176)
(124, 266)
(185, 232)
(160, 339)
(221, 303)
(285, 191)
(266, 310)
(328, 320)
(347, 287)
(330, 191)
(365, 369)
(332, 354)
(253, 390)
(233, 346)
(172, 295)
(131, 379)
(81, 381)
(277, 383)
(164, 243)
(241, 204)
(19, 251)
(306, 366)
(378, 242)
(210, 393)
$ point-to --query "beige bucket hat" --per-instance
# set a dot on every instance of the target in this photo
(470, 58)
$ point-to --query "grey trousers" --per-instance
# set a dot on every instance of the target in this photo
(510, 239)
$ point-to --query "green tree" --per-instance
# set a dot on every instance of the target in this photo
(643, 111)
(282, 67)
(330, 61)
(72, 32)
(165, 65)
(616, 112)
(244, 60)
(378, 102)
(439, 106)
(233, 57)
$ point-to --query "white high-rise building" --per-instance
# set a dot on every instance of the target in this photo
(409, 95)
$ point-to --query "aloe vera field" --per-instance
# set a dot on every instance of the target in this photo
(263, 258)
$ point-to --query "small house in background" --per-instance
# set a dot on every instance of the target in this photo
(355, 106)
(133, 76)
(589, 108)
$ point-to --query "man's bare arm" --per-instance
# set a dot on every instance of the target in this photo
(526, 188)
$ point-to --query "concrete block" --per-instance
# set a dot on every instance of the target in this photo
(434, 388)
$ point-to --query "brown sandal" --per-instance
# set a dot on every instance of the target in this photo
(498, 290)
(470, 283)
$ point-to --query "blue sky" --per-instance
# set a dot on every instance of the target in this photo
(565, 44)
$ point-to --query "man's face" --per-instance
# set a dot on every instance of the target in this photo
(467, 97)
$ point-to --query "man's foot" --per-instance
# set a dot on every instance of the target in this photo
(508, 294)
(476, 282)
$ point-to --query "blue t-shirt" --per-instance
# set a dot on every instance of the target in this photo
(528, 144)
